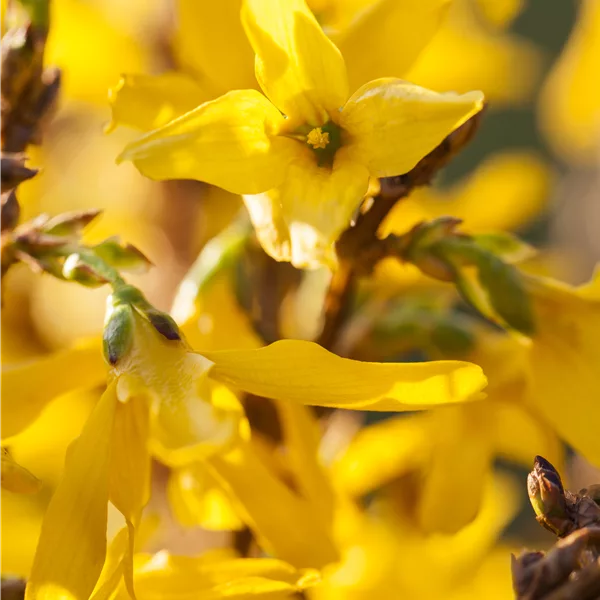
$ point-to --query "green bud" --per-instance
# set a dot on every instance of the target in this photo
(123, 257)
(506, 291)
(76, 269)
(118, 331)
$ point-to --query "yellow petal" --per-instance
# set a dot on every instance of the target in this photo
(570, 100)
(564, 380)
(130, 471)
(112, 572)
(297, 66)
(163, 575)
(301, 220)
(519, 434)
(285, 524)
(149, 101)
(464, 54)
(393, 124)
(197, 500)
(302, 438)
(383, 452)
(190, 415)
(388, 55)
(210, 42)
(23, 397)
(461, 460)
(78, 31)
(228, 142)
(72, 545)
(515, 185)
(16, 478)
(304, 372)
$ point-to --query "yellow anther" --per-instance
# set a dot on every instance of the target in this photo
(317, 139)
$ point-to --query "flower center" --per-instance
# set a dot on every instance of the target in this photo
(324, 141)
(317, 139)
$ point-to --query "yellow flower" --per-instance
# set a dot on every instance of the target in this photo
(564, 383)
(570, 100)
(214, 56)
(301, 195)
(386, 557)
(164, 399)
(167, 576)
(453, 449)
(465, 53)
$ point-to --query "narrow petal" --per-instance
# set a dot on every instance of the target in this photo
(394, 124)
(378, 26)
(23, 398)
(72, 546)
(210, 42)
(163, 575)
(130, 471)
(302, 438)
(285, 524)
(146, 102)
(453, 484)
(228, 142)
(301, 220)
(16, 478)
(112, 572)
(383, 452)
(197, 500)
(297, 66)
(304, 372)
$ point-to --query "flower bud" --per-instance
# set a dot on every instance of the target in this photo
(547, 497)
(14, 171)
(118, 331)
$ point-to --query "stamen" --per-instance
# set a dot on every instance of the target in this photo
(317, 139)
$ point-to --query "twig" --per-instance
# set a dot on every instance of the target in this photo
(357, 244)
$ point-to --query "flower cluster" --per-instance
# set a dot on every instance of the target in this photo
(305, 385)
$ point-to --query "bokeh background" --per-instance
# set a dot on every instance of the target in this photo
(533, 168)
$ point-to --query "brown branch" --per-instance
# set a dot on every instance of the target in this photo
(357, 245)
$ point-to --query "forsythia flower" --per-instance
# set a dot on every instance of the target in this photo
(465, 53)
(306, 170)
(563, 382)
(570, 100)
(165, 399)
(454, 449)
